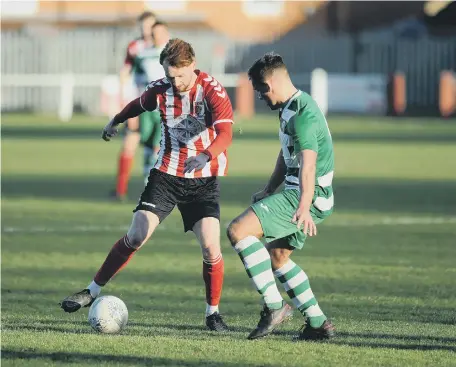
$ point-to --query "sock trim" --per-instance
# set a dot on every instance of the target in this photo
(254, 247)
(94, 289)
(257, 258)
(214, 261)
(127, 242)
(275, 305)
(244, 243)
(211, 309)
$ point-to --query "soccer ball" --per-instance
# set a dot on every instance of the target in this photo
(108, 315)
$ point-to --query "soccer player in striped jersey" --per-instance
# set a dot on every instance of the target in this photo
(197, 117)
(284, 219)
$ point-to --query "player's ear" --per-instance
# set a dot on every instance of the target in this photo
(268, 85)
(272, 81)
(193, 65)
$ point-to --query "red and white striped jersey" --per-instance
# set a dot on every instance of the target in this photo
(188, 121)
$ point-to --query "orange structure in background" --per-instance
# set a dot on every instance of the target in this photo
(447, 95)
(238, 20)
(399, 91)
(245, 97)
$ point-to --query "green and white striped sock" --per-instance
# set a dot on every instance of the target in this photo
(257, 263)
(297, 286)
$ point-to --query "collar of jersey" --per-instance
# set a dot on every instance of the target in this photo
(292, 98)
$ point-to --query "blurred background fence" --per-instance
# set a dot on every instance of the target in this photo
(58, 53)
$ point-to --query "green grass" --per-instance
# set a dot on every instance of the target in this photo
(382, 267)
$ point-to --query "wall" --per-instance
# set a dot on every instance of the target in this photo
(248, 20)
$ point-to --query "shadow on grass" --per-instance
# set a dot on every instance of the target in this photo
(373, 195)
(47, 328)
(372, 340)
(418, 338)
(365, 137)
(68, 357)
(183, 293)
(51, 132)
(94, 133)
(394, 346)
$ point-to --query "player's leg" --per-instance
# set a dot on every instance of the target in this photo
(207, 231)
(142, 227)
(200, 210)
(297, 286)
(155, 204)
(244, 233)
(126, 157)
(150, 138)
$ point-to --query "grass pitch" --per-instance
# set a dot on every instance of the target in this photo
(382, 266)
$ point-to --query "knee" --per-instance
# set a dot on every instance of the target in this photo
(135, 239)
(140, 230)
(279, 257)
(129, 150)
(211, 253)
(234, 231)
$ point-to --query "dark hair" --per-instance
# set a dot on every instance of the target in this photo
(158, 23)
(265, 66)
(178, 53)
(145, 15)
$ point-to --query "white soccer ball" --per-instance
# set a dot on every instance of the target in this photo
(108, 315)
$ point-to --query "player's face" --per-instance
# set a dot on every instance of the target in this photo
(265, 92)
(160, 34)
(181, 78)
(146, 26)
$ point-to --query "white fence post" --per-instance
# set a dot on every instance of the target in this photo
(319, 88)
(66, 97)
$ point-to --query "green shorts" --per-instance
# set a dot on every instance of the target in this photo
(275, 214)
(150, 128)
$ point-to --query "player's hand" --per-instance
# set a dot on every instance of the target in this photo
(195, 163)
(304, 220)
(260, 195)
(109, 130)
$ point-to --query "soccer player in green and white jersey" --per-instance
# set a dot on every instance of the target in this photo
(149, 62)
(142, 62)
(285, 219)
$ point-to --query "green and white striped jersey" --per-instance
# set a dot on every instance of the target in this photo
(145, 61)
(303, 126)
(147, 64)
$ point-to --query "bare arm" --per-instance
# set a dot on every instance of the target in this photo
(276, 179)
(124, 76)
(308, 160)
(307, 170)
(278, 175)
